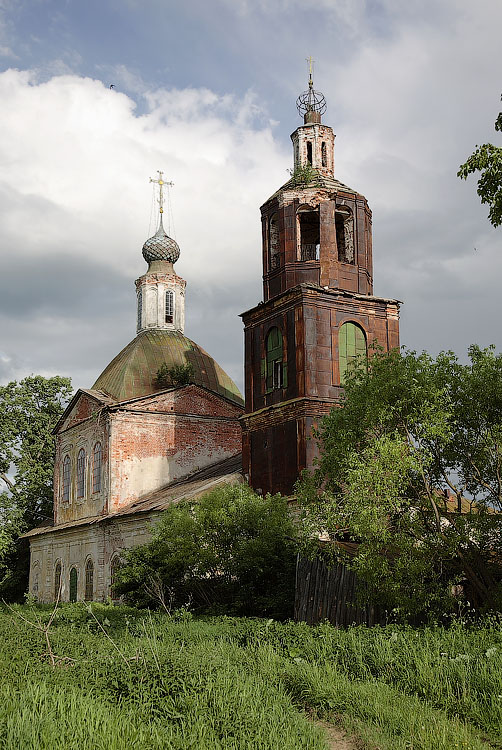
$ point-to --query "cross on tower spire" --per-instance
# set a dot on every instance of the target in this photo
(160, 182)
(311, 70)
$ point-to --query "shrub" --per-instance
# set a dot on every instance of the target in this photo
(230, 552)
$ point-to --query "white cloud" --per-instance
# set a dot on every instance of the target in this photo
(76, 159)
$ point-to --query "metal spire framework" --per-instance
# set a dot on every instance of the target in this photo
(311, 100)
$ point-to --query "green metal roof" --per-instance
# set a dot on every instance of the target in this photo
(133, 372)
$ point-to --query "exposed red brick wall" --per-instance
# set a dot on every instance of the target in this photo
(83, 409)
(166, 437)
(190, 399)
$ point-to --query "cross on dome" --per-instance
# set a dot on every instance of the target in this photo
(161, 246)
(160, 182)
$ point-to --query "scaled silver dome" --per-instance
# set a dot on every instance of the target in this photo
(161, 247)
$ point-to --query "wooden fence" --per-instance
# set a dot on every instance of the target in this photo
(329, 593)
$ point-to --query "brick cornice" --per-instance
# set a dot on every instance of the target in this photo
(312, 293)
(296, 408)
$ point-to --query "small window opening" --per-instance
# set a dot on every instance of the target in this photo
(275, 364)
(345, 236)
(309, 235)
(273, 242)
(324, 156)
(73, 585)
(309, 152)
(96, 468)
(81, 473)
(169, 306)
(89, 581)
(57, 582)
(66, 479)
(140, 304)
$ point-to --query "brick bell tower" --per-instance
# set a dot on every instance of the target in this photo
(318, 311)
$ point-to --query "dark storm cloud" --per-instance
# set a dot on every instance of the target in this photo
(59, 285)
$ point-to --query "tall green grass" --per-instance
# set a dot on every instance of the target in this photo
(128, 679)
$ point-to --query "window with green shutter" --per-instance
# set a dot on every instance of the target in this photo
(351, 346)
(274, 366)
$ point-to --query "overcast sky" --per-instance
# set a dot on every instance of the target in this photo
(205, 90)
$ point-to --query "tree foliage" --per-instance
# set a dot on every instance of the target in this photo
(231, 551)
(487, 159)
(175, 375)
(304, 175)
(29, 410)
(413, 429)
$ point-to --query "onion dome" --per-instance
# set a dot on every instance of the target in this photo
(161, 247)
(133, 372)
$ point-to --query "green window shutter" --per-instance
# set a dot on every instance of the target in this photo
(285, 375)
(360, 343)
(274, 347)
(351, 345)
(342, 352)
(262, 367)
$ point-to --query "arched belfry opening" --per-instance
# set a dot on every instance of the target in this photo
(344, 224)
(309, 233)
(273, 242)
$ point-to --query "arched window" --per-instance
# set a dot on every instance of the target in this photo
(309, 152)
(114, 566)
(273, 241)
(96, 468)
(310, 232)
(275, 367)
(169, 306)
(81, 473)
(66, 479)
(140, 305)
(89, 580)
(57, 581)
(73, 584)
(351, 346)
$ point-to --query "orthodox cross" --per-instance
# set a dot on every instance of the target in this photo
(160, 182)
(311, 70)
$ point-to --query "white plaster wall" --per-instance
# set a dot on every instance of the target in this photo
(153, 288)
(73, 547)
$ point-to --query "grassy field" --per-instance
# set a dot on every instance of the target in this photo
(120, 679)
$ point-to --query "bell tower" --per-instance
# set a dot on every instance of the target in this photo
(318, 311)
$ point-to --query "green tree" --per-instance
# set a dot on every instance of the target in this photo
(231, 551)
(175, 375)
(29, 410)
(411, 430)
(487, 159)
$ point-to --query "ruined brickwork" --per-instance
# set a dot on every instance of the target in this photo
(318, 315)
(147, 444)
(121, 443)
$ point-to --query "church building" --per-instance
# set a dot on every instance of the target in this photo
(130, 446)
(318, 312)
